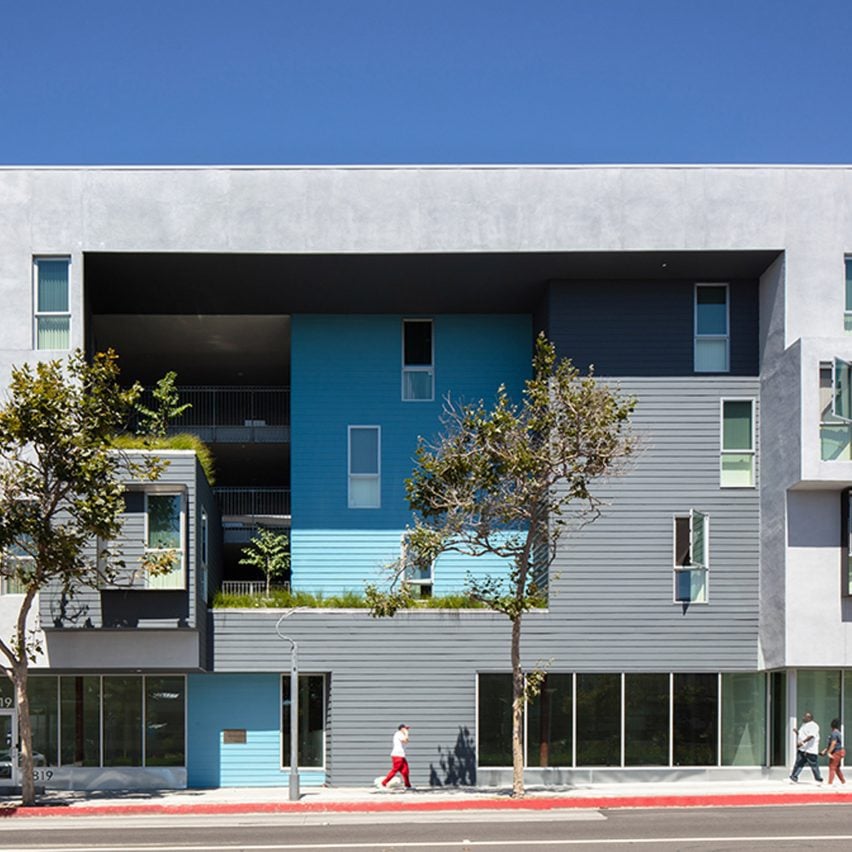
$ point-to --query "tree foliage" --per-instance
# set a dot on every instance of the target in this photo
(269, 551)
(60, 490)
(509, 480)
(154, 420)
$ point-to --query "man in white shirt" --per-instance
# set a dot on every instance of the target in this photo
(807, 748)
(398, 759)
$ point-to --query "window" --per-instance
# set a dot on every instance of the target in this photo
(164, 537)
(418, 374)
(80, 720)
(312, 704)
(417, 574)
(847, 313)
(737, 457)
(846, 541)
(364, 467)
(17, 564)
(203, 553)
(711, 328)
(691, 557)
(52, 303)
(835, 433)
(164, 721)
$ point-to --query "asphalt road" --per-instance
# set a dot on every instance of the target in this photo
(798, 827)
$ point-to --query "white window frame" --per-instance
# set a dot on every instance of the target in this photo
(300, 768)
(726, 337)
(418, 368)
(204, 541)
(830, 422)
(364, 477)
(752, 452)
(847, 307)
(421, 584)
(39, 314)
(678, 568)
(166, 582)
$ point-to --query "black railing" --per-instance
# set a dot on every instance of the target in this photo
(253, 502)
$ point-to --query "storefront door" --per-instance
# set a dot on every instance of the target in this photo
(8, 749)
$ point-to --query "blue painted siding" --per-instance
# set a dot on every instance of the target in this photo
(249, 702)
(346, 370)
(344, 560)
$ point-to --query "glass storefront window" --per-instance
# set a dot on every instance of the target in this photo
(494, 725)
(646, 720)
(7, 693)
(818, 691)
(122, 714)
(164, 721)
(549, 720)
(44, 717)
(695, 719)
(598, 720)
(744, 719)
(311, 721)
(778, 718)
(80, 714)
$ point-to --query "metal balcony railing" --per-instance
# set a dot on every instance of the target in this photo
(232, 413)
(255, 588)
(253, 502)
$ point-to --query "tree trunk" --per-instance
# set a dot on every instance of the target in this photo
(517, 711)
(26, 734)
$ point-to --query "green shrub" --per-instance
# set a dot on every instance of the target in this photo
(278, 599)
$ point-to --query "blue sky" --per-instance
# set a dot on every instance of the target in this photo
(398, 81)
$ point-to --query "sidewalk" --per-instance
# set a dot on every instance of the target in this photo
(247, 800)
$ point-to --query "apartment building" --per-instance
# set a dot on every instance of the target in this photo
(317, 319)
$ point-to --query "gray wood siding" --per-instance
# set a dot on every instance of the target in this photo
(611, 605)
(124, 603)
(645, 328)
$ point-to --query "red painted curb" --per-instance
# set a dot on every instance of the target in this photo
(531, 804)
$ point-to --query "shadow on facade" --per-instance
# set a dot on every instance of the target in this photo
(456, 766)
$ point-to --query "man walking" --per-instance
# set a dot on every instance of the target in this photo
(399, 763)
(807, 748)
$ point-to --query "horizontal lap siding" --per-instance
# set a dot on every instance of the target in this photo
(614, 586)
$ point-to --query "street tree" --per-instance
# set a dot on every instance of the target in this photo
(509, 481)
(60, 491)
(268, 551)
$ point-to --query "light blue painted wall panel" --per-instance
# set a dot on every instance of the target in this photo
(249, 702)
(346, 370)
(345, 560)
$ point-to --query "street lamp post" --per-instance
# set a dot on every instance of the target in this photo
(294, 710)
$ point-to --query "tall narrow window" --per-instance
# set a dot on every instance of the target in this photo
(737, 461)
(312, 704)
(164, 536)
(691, 557)
(418, 373)
(52, 303)
(203, 591)
(711, 328)
(418, 574)
(364, 467)
(847, 313)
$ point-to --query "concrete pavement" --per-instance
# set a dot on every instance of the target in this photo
(247, 800)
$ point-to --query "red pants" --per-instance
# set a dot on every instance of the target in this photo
(400, 765)
(834, 766)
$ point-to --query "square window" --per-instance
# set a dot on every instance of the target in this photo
(52, 303)
(418, 374)
(712, 341)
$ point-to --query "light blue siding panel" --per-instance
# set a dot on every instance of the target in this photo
(337, 561)
(249, 702)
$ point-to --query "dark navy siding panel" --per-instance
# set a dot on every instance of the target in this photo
(630, 328)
